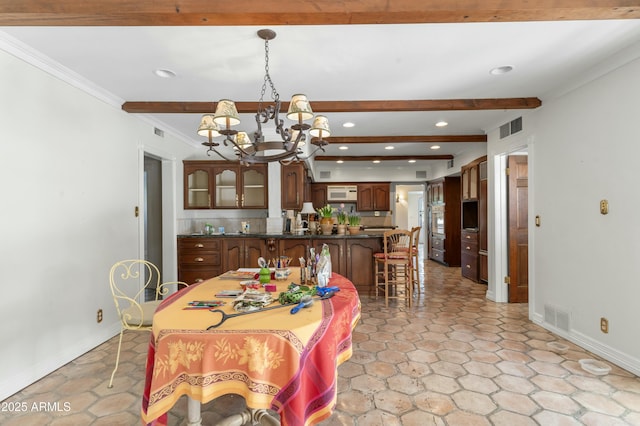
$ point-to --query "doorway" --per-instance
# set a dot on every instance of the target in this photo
(518, 228)
(153, 210)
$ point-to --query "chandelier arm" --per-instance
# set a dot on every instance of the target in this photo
(219, 154)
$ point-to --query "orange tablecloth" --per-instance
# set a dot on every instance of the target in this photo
(275, 360)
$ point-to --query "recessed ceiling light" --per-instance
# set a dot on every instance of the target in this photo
(442, 124)
(376, 161)
(343, 147)
(412, 161)
(340, 161)
(435, 146)
(388, 147)
(501, 70)
(348, 124)
(164, 73)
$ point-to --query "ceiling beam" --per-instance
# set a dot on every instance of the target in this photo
(381, 157)
(299, 12)
(142, 107)
(405, 139)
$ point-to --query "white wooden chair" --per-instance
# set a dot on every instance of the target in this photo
(132, 282)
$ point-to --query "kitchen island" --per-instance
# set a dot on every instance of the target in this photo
(205, 256)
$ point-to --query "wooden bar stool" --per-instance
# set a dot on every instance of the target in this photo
(393, 272)
(415, 265)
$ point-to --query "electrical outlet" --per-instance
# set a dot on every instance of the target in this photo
(604, 325)
(99, 316)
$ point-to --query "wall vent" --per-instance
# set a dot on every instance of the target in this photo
(158, 132)
(326, 174)
(421, 174)
(556, 318)
(514, 126)
(450, 164)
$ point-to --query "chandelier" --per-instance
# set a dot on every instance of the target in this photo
(257, 150)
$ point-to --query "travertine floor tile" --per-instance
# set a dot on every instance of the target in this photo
(453, 359)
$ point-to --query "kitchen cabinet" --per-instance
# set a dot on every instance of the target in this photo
(242, 252)
(337, 250)
(373, 197)
(469, 182)
(474, 254)
(359, 262)
(198, 259)
(319, 194)
(293, 183)
(469, 254)
(224, 185)
(443, 231)
(295, 249)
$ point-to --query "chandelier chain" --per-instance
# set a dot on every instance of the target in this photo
(267, 78)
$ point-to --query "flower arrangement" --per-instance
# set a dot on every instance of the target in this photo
(326, 211)
(354, 219)
(341, 215)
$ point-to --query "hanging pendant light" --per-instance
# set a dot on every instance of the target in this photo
(292, 139)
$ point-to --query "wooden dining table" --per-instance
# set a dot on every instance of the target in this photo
(276, 360)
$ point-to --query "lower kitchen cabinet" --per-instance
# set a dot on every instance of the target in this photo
(337, 252)
(198, 259)
(360, 264)
(469, 256)
(242, 252)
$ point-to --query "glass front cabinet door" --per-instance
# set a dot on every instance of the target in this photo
(197, 188)
(224, 185)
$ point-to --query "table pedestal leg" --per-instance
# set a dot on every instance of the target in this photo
(193, 412)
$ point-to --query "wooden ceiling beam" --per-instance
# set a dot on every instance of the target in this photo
(406, 139)
(143, 107)
(381, 157)
(297, 12)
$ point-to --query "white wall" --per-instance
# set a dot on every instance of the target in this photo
(70, 178)
(584, 147)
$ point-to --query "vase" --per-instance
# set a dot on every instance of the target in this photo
(353, 230)
(326, 224)
(342, 229)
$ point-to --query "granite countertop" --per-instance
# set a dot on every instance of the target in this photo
(279, 235)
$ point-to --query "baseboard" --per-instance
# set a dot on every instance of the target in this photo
(616, 357)
(14, 384)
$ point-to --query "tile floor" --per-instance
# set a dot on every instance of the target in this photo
(454, 358)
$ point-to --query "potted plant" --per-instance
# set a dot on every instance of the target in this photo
(341, 215)
(354, 223)
(326, 220)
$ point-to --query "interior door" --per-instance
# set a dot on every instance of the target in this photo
(517, 185)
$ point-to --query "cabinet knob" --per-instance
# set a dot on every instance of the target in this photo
(199, 245)
(199, 280)
(199, 259)
(468, 266)
(468, 237)
(468, 248)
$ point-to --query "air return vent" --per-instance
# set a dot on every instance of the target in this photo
(514, 126)
(325, 174)
(450, 164)
(158, 132)
(421, 174)
(556, 317)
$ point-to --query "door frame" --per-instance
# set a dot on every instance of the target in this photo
(498, 238)
(169, 245)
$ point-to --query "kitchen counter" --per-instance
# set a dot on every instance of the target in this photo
(362, 234)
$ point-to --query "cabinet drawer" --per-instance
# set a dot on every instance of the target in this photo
(199, 258)
(195, 275)
(207, 244)
(469, 236)
(469, 247)
(469, 266)
(437, 243)
(437, 255)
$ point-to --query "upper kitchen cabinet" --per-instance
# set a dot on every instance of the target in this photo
(470, 179)
(373, 197)
(319, 194)
(294, 186)
(224, 185)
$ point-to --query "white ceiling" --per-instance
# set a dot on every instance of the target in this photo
(334, 63)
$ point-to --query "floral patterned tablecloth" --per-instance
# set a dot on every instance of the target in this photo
(275, 360)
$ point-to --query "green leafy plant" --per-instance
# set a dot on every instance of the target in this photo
(326, 211)
(354, 219)
(341, 215)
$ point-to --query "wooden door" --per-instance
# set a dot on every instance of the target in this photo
(232, 254)
(381, 197)
(517, 194)
(295, 249)
(336, 251)
(365, 198)
(319, 195)
(360, 264)
(292, 184)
